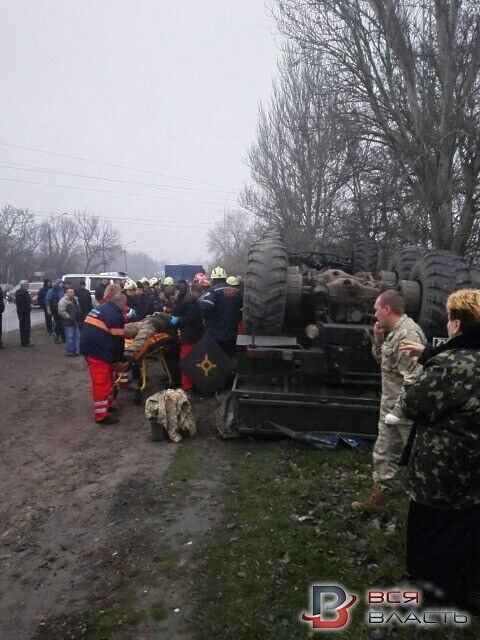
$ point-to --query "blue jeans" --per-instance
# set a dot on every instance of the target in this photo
(72, 336)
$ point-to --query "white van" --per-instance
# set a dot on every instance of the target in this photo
(92, 280)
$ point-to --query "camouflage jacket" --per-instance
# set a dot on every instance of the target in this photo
(397, 368)
(172, 410)
(444, 402)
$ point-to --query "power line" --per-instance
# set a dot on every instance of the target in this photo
(27, 167)
(133, 218)
(121, 193)
(116, 166)
(152, 223)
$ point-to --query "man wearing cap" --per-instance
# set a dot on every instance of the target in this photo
(130, 291)
(52, 299)
(47, 285)
(222, 308)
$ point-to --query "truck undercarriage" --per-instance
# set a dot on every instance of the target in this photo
(305, 360)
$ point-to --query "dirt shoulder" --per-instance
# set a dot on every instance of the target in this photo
(92, 526)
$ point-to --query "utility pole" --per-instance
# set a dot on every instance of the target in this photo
(65, 213)
(125, 250)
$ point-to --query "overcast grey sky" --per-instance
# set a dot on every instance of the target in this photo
(164, 86)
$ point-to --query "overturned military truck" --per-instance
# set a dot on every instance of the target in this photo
(305, 360)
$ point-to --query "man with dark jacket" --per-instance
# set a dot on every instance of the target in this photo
(2, 309)
(143, 303)
(42, 294)
(84, 300)
(102, 344)
(222, 308)
(24, 308)
(53, 297)
(187, 317)
(100, 290)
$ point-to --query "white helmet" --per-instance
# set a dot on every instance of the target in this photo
(218, 274)
(129, 285)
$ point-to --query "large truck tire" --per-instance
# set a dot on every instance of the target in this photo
(265, 290)
(404, 259)
(365, 256)
(438, 273)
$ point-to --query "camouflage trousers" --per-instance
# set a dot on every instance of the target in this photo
(140, 331)
(387, 452)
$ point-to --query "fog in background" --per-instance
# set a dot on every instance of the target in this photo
(165, 91)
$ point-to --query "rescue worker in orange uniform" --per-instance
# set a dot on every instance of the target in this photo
(102, 344)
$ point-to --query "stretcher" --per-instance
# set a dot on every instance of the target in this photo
(136, 376)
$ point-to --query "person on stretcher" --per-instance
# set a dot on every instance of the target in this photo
(143, 329)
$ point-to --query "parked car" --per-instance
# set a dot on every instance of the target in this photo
(10, 297)
(5, 287)
(33, 289)
(92, 280)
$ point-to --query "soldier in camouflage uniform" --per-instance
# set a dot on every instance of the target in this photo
(444, 462)
(397, 369)
(143, 329)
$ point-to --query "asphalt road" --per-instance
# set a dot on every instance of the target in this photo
(10, 319)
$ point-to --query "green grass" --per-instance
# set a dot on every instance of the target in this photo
(255, 575)
(158, 611)
(185, 465)
(105, 624)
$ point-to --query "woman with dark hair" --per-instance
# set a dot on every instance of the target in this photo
(187, 316)
(443, 458)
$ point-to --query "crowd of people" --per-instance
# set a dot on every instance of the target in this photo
(97, 331)
(429, 426)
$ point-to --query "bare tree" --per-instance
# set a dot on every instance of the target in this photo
(228, 241)
(100, 242)
(59, 246)
(406, 75)
(299, 162)
(18, 233)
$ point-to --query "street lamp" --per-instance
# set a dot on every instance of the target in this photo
(146, 255)
(125, 249)
(65, 213)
